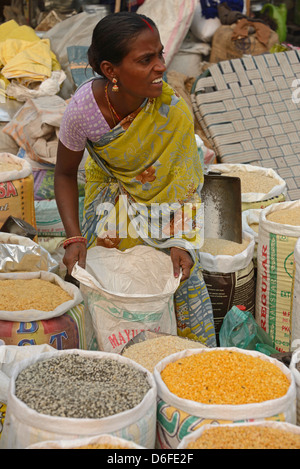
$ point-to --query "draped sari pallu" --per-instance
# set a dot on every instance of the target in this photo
(143, 182)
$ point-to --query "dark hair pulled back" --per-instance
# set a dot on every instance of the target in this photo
(112, 35)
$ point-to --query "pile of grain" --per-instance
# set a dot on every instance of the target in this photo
(252, 181)
(218, 246)
(149, 352)
(290, 216)
(254, 227)
(75, 386)
(24, 294)
(225, 377)
(246, 437)
(102, 446)
(9, 167)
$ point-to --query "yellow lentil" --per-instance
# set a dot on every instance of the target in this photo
(290, 216)
(219, 246)
(149, 352)
(225, 377)
(246, 437)
(36, 293)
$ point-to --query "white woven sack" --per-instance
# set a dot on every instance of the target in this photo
(197, 412)
(295, 367)
(104, 439)
(271, 424)
(275, 252)
(24, 426)
(24, 171)
(295, 321)
(127, 292)
(226, 263)
(30, 315)
(173, 19)
(20, 253)
(10, 356)
(279, 189)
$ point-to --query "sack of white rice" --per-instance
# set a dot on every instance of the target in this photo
(279, 230)
(228, 271)
(260, 186)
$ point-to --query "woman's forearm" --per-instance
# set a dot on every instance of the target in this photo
(66, 188)
(67, 199)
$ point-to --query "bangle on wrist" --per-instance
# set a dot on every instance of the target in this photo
(74, 239)
(182, 249)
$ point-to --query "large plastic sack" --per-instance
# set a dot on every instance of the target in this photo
(104, 441)
(16, 190)
(62, 328)
(295, 369)
(250, 224)
(275, 256)
(188, 439)
(127, 292)
(20, 253)
(204, 28)
(230, 280)
(295, 302)
(10, 355)
(256, 200)
(24, 426)
(177, 417)
(173, 20)
(30, 315)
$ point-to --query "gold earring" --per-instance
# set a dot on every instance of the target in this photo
(115, 87)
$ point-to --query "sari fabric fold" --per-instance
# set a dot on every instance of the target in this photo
(143, 186)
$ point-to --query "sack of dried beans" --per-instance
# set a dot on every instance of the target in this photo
(70, 394)
(223, 385)
(252, 435)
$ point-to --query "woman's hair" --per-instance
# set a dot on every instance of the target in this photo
(112, 36)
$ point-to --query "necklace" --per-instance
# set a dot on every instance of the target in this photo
(110, 106)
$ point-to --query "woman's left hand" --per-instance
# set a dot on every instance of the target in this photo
(181, 261)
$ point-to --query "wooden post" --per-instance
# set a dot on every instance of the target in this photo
(117, 6)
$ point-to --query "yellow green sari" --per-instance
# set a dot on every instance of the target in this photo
(143, 186)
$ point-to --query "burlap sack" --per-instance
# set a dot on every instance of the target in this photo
(224, 48)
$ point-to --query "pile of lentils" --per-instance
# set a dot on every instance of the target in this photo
(76, 386)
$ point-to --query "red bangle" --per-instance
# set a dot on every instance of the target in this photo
(74, 239)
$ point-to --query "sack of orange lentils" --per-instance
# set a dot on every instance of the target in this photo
(220, 385)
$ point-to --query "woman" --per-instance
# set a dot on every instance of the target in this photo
(143, 171)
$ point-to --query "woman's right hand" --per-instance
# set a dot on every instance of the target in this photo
(75, 252)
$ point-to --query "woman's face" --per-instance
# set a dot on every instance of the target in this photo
(140, 73)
